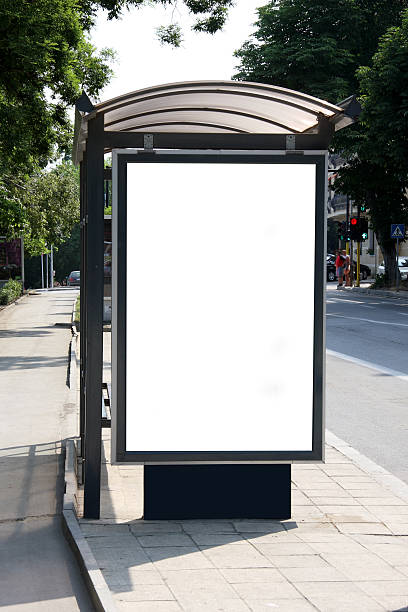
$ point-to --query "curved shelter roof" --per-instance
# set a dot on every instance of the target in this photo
(228, 107)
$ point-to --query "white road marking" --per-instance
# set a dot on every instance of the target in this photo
(368, 364)
(329, 314)
(336, 301)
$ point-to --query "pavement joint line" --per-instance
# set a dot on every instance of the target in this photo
(368, 364)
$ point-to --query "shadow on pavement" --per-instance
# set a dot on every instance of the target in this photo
(36, 563)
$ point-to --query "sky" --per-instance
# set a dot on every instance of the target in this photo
(142, 61)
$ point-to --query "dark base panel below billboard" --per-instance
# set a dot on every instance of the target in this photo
(250, 491)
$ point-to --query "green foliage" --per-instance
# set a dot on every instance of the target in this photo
(11, 291)
(297, 45)
(213, 12)
(315, 46)
(384, 87)
(170, 35)
(78, 311)
(46, 60)
(43, 208)
(380, 282)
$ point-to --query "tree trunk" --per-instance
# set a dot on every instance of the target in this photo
(390, 261)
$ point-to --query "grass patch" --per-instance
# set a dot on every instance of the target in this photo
(77, 311)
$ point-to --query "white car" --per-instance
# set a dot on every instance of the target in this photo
(402, 265)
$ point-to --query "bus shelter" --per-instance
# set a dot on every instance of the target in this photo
(217, 369)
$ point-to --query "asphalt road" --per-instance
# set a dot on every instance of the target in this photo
(367, 375)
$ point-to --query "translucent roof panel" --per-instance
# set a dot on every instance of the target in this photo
(225, 106)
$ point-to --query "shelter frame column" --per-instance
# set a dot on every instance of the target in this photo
(94, 232)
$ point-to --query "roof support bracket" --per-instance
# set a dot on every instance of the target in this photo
(148, 141)
(290, 142)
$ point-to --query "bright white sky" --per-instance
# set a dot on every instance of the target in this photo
(142, 61)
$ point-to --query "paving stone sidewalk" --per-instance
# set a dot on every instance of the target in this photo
(344, 549)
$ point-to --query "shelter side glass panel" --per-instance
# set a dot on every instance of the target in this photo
(220, 323)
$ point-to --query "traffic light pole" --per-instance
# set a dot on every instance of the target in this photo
(358, 249)
(358, 264)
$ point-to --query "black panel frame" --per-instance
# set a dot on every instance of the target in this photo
(119, 318)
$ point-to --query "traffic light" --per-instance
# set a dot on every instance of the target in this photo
(363, 208)
(341, 230)
(358, 229)
(354, 228)
(363, 229)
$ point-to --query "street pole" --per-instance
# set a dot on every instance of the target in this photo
(347, 223)
(358, 264)
(52, 267)
(358, 248)
(46, 268)
(22, 262)
(42, 270)
(397, 270)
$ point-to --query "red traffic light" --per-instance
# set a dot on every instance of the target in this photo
(353, 221)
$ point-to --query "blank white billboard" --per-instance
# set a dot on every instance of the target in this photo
(220, 306)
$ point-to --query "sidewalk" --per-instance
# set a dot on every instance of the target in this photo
(344, 549)
(38, 572)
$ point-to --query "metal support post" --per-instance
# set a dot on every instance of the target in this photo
(22, 262)
(94, 316)
(358, 264)
(82, 306)
(347, 214)
(358, 249)
(52, 266)
(46, 270)
(42, 270)
(397, 274)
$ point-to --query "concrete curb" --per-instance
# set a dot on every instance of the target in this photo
(380, 474)
(92, 575)
(403, 295)
(95, 582)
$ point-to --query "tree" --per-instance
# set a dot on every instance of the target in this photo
(46, 60)
(384, 89)
(318, 47)
(44, 209)
(382, 146)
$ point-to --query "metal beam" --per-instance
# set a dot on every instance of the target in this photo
(240, 142)
(94, 229)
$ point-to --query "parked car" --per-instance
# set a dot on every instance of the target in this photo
(74, 279)
(365, 271)
(402, 265)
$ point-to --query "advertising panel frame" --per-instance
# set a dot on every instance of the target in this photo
(123, 157)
